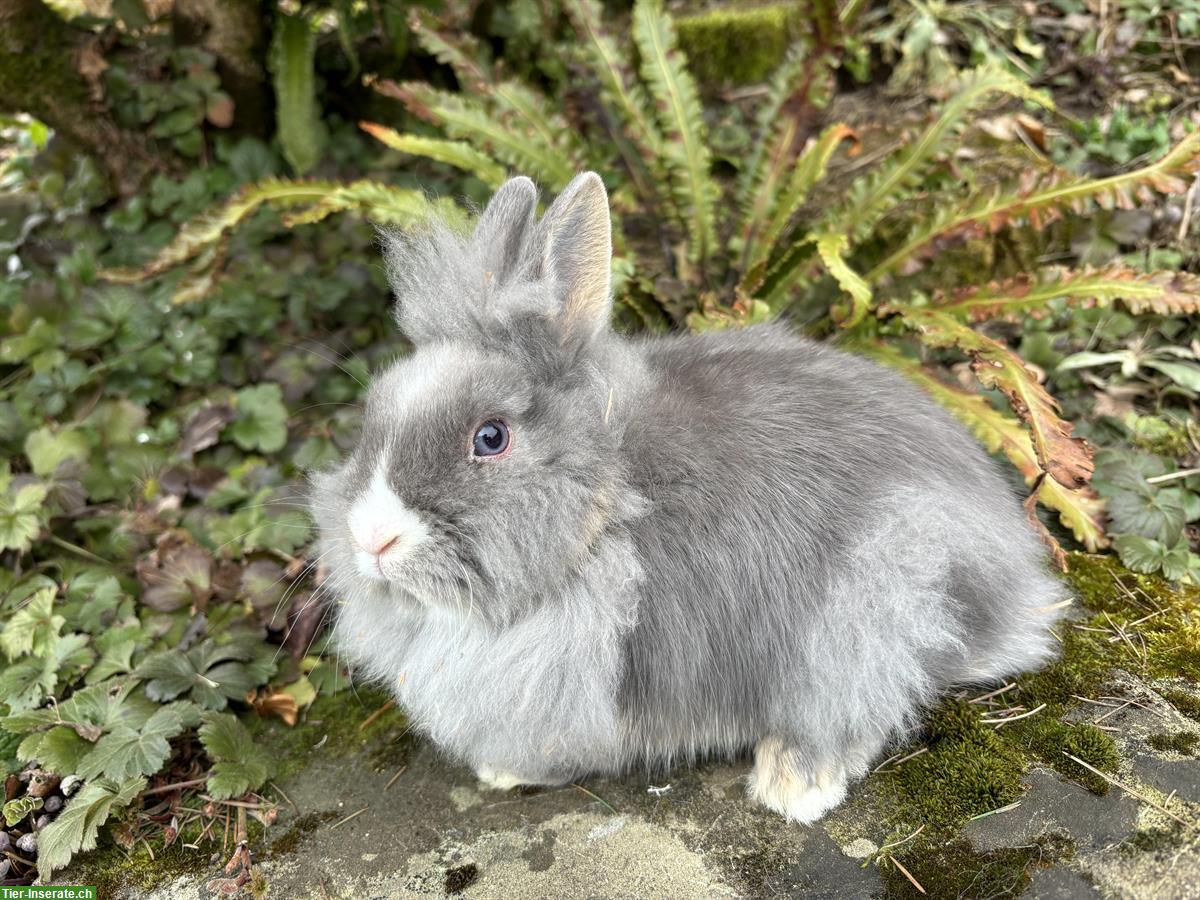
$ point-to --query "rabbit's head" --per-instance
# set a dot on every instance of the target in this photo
(487, 466)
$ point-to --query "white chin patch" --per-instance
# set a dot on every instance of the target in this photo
(385, 531)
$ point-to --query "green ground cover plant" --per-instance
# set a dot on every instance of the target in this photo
(174, 358)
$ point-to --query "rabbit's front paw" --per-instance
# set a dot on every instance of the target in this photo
(498, 779)
(781, 782)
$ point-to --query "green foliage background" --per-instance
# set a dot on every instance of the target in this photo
(174, 360)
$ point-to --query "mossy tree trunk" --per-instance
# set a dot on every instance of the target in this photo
(50, 70)
(233, 31)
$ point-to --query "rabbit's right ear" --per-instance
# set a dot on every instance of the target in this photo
(502, 228)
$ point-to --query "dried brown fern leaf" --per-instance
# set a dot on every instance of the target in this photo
(1080, 509)
(1066, 459)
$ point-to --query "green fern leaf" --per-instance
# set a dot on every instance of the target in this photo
(454, 153)
(894, 180)
(465, 118)
(681, 118)
(1080, 509)
(207, 233)
(302, 134)
(1161, 293)
(630, 121)
(1048, 199)
(830, 247)
(210, 227)
(1066, 459)
(808, 170)
(460, 50)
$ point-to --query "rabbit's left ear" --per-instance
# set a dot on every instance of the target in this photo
(575, 237)
(500, 233)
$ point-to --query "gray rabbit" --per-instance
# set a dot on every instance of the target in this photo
(570, 552)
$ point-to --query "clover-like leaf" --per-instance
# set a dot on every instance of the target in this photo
(1158, 515)
(126, 752)
(261, 422)
(211, 674)
(47, 449)
(78, 826)
(239, 764)
(33, 628)
(20, 522)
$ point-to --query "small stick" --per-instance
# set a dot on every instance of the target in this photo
(579, 787)
(1113, 712)
(996, 693)
(375, 715)
(1127, 789)
(1053, 606)
(351, 816)
(286, 798)
(166, 788)
(1171, 476)
(996, 812)
(895, 844)
(907, 874)
(392, 780)
(1024, 715)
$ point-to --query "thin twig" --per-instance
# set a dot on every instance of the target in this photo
(392, 780)
(579, 787)
(166, 788)
(375, 715)
(1024, 715)
(996, 812)
(907, 874)
(1171, 476)
(1127, 789)
(351, 816)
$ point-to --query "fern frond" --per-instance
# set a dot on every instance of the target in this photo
(1049, 198)
(381, 204)
(894, 180)
(209, 227)
(1080, 509)
(454, 153)
(808, 170)
(1163, 293)
(460, 50)
(465, 118)
(830, 247)
(208, 231)
(1066, 459)
(681, 118)
(301, 132)
(623, 97)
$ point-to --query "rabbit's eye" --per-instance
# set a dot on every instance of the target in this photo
(491, 438)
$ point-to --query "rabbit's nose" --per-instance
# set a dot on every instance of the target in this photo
(380, 542)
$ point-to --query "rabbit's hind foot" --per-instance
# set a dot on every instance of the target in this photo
(498, 779)
(783, 782)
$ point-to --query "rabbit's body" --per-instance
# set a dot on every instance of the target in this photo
(708, 543)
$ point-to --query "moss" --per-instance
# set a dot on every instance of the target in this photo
(1188, 704)
(334, 725)
(1181, 742)
(953, 868)
(742, 46)
(968, 770)
(306, 824)
(1051, 739)
(1166, 616)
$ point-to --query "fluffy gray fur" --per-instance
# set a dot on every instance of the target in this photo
(699, 544)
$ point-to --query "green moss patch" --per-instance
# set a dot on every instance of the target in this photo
(1188, 704)
(741, 46)
(1181, 742)
(953, 868)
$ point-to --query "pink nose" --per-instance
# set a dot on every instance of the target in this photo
(380, 543)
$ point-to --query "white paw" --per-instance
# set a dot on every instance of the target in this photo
(497, 779)
(798, 795)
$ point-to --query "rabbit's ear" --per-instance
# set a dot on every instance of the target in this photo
(575, 238)
(500, 233)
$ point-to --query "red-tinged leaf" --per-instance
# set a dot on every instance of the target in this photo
(1079, 509)
(1067, 459)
